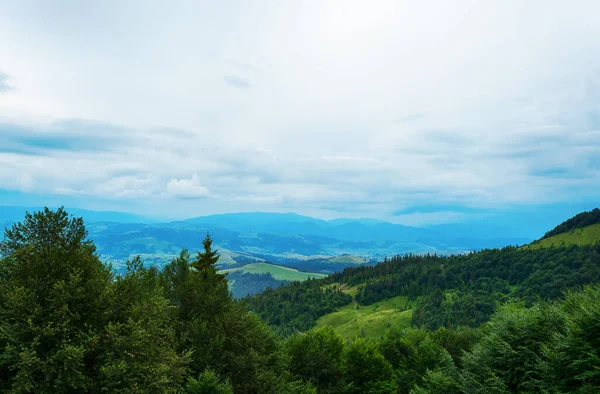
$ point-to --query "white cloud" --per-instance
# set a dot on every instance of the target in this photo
(346, 108)
(187, 188)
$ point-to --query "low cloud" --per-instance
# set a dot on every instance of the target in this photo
(187, 188)
(235, 81)
(4, 85)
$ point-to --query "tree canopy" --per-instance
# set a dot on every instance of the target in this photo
(69, 325)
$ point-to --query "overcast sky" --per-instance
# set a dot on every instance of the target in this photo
(417, 112)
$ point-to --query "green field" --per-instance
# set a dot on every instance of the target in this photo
(580, 236)
(278, 272)
(351, 320)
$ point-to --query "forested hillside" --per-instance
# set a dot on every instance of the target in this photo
(69, 324)
(445, 291)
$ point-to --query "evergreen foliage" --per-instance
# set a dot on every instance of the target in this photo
(447, 291)
(68, 325)
(247, 284)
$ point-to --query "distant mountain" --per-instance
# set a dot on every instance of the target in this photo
(288, 239)
(358, 230)
(262, 222)
(12, 214)
(365, 221)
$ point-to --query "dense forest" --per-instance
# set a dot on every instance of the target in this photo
(449, 291)
(498, 321)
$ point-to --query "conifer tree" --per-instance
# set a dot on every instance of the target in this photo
(206, 260)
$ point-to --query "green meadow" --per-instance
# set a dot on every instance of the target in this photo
(580, 236)
(353, 320)
(278, 272)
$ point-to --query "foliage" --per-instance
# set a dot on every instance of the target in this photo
(67, 325)
(243, 284)
(548, 348)
(366, 370)
(447, 291)
(208, 383)
(297, 305)
(316, 357)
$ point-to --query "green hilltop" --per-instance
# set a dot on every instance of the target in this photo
(578, 236)
(582, 229)
(580, 220)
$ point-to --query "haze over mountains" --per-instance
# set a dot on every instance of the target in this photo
(282, 238)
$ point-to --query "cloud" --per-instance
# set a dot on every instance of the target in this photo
(454, 179)
(344, 112)
(235, 81)
(409, 118)
(187, 188)
(4, 85)
(71, 135)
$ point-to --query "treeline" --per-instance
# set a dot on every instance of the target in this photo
(297, 306)
(449, 290)
(578, 221)
(244, 284)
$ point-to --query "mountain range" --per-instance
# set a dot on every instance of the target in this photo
(282, 238)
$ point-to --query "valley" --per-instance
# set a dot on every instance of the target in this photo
(310, 246)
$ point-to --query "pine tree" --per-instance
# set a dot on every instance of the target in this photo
(206, 260)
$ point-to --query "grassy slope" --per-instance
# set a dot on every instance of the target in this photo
(580, 236)
(278, 272)
(375, 319)
(349, 321)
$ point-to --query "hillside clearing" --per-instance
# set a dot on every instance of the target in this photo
(580, 236)
(353, 320)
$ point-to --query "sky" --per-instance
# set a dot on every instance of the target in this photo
(418, 113)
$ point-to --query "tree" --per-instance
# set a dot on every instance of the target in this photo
(316, 357)
(208, 383)
(366, 370)
(206, 260)
(507, 354)
(571, 359)
(66, 324)
(139, 344)
(54, 297)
